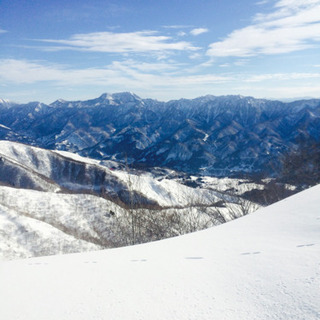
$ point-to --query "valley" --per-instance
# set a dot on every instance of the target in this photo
(214, 136)
(78, 204)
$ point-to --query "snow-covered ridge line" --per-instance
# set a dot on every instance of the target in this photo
(4, 127)
(208, 135)
(100, 198)
(4, 101)
(165, 192)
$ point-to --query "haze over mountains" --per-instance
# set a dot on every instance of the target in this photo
(208, 135)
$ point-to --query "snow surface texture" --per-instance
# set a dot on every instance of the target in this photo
(262, 266)
(23, 237)
(35, 223)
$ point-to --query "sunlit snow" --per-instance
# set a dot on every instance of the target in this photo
(262, 266)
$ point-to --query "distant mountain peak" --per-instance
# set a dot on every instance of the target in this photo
(6, 102)
(105, 96)
(58, 103)
(224, 134)
(123, 96)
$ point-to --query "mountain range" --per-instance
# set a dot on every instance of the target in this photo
(78, 176)
(218, 136)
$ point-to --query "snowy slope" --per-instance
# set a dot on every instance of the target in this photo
(262, 266)
(166, 192)
(34, 223)
(22, 236)
(79, 197)
(53, 170)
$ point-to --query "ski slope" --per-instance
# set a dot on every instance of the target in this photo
(260, 267)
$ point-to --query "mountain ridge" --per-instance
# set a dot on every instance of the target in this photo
(49, 196)
(215, 135)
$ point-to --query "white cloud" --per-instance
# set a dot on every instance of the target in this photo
(225, 65)
(295, 3)
(160, 79)
(293, 25)
(282, 76)
(124, 73)
(178, 26)
(259, 3)
(21, 71)
(181, 34)
(238, 63)
(197, 31)
(195, 56)
(135, 42)
(24, 71)
(285, 91)
(31, 72)
(241, 62)
(3, 31)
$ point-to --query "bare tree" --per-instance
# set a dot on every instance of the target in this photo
(139, 224)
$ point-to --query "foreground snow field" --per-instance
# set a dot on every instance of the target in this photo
(262, 266)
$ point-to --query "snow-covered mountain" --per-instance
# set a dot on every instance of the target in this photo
(259, 267)
(28, 167)
(58, 202)
(208, 135)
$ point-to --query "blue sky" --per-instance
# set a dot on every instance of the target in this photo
(78, 49)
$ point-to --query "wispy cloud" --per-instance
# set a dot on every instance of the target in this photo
(197, 31)
(3, 31)
(195, 56)
(177, 26)
(170, 79)
(111, 42)
(225, 65)
(241, 62)
(237, 63)
(181, 33)
(293, 25)
(259, 3)
(283, 76)
(24, 71)
(128, 72)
